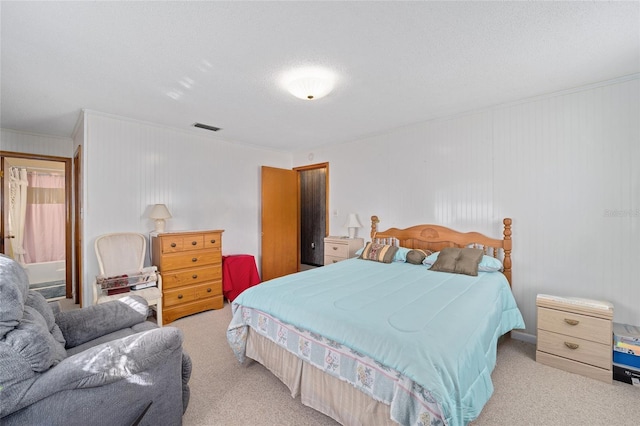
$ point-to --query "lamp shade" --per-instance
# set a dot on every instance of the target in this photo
(353, 224)
(352, 221)
(159, 213)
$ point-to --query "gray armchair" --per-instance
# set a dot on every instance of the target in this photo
(101, 365)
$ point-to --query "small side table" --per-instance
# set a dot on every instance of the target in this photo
(575, 335)
(340, 248)
(239, 272)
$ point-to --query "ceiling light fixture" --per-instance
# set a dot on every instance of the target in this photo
(309, 83)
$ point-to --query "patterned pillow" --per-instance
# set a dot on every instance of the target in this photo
(378, 252)
(416, 256)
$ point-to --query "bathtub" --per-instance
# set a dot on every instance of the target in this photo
(45, 272)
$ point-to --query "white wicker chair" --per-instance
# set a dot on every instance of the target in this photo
(124, 253)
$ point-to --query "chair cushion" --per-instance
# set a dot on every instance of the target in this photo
(33, 341)
(14, 286)
(82, 325)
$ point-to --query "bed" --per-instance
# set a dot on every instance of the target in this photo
(385, 338)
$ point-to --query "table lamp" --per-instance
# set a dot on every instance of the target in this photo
(353, 224)
(159, 213)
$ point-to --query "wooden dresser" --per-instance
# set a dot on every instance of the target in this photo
(190, 263)
(575, 335)
(340, 248)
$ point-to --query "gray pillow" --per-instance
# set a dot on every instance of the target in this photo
(458, 261)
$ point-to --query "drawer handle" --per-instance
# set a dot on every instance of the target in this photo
(173, 244)
(334, 261)
(213, 241)
(571, 345)
(208, 290)
(194, 276)
(194, 259)
(179, 296)
(194, 243)
(334, 247)
(571, 321)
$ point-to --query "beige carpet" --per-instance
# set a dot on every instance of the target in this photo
(224, 392)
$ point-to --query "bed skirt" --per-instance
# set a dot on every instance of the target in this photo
(318, 390)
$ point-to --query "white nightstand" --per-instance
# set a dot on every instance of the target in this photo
(340, 248)
(575, 335)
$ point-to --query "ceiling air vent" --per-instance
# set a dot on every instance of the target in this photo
(207, 127)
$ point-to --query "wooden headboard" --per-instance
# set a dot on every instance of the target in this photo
(435, 238)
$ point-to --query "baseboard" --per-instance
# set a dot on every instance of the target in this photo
(528, 338)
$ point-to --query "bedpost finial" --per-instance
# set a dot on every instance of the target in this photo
(507, 228)
(374, 226)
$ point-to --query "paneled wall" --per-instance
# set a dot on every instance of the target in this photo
(31, 143)
(205, 182)
(565, 167)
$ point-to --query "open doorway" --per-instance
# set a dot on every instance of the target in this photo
(313, 199)
(36, 224)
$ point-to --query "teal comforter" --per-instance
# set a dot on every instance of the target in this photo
(438, 329)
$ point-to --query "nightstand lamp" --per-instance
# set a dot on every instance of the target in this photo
(159, 213)
(353, 224)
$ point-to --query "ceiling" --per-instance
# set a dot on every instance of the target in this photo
(219, 63)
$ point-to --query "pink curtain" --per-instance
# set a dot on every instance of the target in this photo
(44, 238)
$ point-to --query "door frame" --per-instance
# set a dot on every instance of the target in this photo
(67, 201)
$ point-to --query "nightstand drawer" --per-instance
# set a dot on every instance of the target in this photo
(336, 250)
(575, 325)
(328, 260)
(576, 349)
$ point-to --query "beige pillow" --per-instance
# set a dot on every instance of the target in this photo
(416, 256)
(378, 252)
(458, 261)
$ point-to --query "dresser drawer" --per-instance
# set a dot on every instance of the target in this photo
(172, 313)
(585, 351)
(208, 290)
(190, 260)
(177, 243)
(213, 240)
(191, 276)
(575, 325)
(191, 293)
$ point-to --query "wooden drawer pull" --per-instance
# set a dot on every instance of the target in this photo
(571, 345)
(195, 259)
(173, 244)
(213, 241)
(334, 247)
(194, 276)
(571, 321)
(179, 296)
(209, 290)
(194, 243)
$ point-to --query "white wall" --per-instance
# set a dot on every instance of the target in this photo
(564, 167)
(205, 182)
(31, 143)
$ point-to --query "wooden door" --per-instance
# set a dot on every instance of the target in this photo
(279, 222)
